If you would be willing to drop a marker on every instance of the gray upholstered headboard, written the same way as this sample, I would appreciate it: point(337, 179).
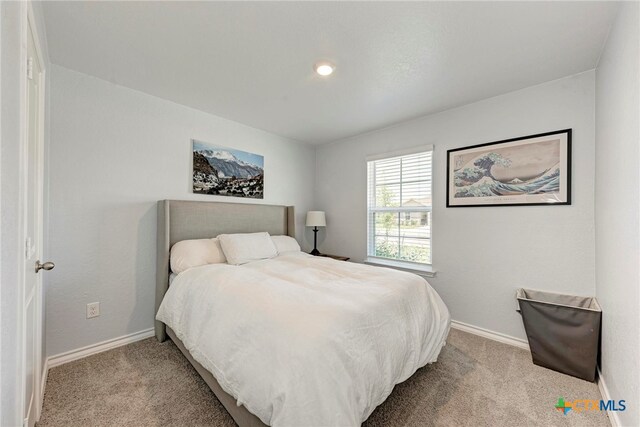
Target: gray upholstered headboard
point(180, 220)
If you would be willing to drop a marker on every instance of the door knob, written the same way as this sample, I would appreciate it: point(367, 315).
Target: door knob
point(46, 266)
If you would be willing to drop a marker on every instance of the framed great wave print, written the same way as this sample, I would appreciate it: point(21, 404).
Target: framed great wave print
point(525, 171)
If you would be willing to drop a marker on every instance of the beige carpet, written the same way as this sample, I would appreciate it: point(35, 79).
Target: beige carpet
point(476, 382)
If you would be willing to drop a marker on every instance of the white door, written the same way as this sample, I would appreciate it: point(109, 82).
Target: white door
point(33, 198)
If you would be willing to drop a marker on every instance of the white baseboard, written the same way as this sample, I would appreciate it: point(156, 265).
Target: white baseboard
point(70, 356)
point(486, 333)
point(43, 378)
point(43, 384)
point(614, 419)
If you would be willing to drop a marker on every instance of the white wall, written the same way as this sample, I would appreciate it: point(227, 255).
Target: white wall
point(617, 217)
point(115, 152)
point(482, 255)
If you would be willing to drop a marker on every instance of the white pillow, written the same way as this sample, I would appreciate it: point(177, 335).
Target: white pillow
point(194, 253)
point(285, 244)
point(246, 247)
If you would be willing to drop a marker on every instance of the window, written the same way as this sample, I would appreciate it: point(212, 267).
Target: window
point(399, 208)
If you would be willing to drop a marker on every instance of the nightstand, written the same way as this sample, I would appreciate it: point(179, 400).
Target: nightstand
point(338, 257)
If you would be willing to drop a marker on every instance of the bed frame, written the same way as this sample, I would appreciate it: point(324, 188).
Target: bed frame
point(180, 220)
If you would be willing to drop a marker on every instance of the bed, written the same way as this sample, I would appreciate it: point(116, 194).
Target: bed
point(297, 339)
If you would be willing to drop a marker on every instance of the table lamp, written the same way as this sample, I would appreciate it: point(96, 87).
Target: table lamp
point(315, 219)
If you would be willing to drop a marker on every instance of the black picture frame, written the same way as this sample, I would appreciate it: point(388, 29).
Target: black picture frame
point(562, 197)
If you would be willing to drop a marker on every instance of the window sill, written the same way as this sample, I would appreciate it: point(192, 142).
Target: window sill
point(421, 270)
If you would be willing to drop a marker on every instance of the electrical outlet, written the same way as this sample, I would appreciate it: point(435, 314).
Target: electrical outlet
point(93, 310)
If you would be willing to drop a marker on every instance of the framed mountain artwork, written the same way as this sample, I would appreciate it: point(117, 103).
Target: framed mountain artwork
point(226, 171)
point(525, 171)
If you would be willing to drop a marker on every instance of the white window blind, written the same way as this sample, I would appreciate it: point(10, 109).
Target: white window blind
point(399, 207)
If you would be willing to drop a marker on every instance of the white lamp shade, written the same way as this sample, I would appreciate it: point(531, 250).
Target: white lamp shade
point(316, 219)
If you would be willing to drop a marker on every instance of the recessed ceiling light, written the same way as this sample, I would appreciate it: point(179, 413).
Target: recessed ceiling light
point(324, 68)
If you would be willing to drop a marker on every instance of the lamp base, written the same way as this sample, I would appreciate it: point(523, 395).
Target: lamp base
point(315, 250)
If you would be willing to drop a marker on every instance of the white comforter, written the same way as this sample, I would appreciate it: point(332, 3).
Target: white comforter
point(307, 341)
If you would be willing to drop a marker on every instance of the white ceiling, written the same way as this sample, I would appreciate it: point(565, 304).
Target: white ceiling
point(252, 62)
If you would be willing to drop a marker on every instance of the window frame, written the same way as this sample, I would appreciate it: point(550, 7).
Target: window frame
point(419, 267)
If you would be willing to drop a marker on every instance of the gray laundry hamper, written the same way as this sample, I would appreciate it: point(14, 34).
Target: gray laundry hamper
point(563, 331)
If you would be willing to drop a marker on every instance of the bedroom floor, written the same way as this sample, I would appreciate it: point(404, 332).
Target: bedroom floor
point(476, 382)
